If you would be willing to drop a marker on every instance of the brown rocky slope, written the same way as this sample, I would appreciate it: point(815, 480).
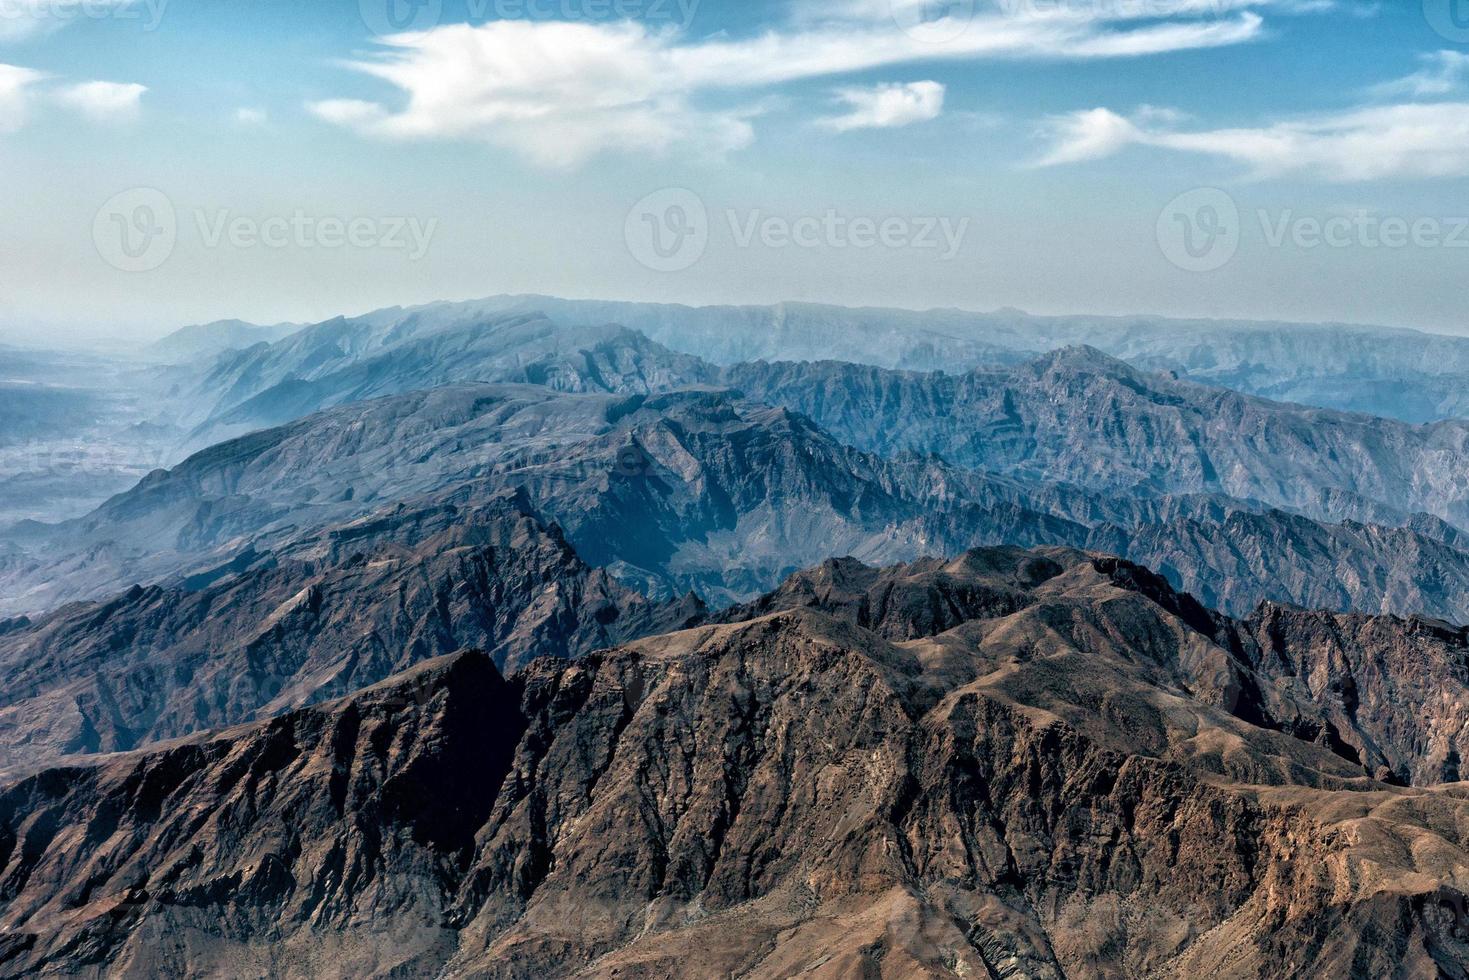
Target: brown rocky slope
point(1015, 764)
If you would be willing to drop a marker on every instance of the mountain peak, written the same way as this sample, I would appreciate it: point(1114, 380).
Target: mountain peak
point(1085, 357)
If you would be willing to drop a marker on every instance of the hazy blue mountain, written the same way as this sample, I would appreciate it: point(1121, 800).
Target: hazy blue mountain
point(1081, 417)
point(1076, 416)
point(694, 490)
point(74, 430)
point(345, 361)
point(686, 490)
point(207, 340)
point(1404, 374)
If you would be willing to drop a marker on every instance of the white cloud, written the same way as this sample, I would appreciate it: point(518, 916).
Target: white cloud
point(249, 116)
point(23, 89)
point(887, 106)
point(1413, 140)
point(1443, 73)
point(1088, 135)
point(560, 92)
point(104, 102)
point(15, 90)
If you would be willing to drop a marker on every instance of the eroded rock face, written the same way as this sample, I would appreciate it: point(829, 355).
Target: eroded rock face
point(1394, 692)
point(349, 608)
point(1016, 764)
point(1081, 417)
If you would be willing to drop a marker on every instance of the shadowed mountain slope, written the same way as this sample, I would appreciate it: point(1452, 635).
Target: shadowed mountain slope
point(1061, 787)
point(349, 608)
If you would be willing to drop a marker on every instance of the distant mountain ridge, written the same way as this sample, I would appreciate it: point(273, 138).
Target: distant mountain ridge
point(205, 340)
point(1032, 419)
point(346, 361)
point(697, 490)
point(1080, 416)
point(1384, 371)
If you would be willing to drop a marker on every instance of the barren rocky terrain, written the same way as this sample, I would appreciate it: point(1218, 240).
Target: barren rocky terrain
point(1014, 764)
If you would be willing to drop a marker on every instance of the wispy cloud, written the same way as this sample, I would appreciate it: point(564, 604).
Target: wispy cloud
point(111, 103)
point(887, 106)
point(22, 90)
point(1413, 140)
point(559, 92)
point(1443, 73)
point(15, 92)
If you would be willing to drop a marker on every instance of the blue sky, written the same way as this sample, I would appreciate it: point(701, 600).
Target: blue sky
point(283, 160)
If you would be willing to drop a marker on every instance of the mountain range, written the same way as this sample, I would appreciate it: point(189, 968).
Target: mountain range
point(539, 638)
point(1040, 763)
point(1390, 372)
point(1234, 498)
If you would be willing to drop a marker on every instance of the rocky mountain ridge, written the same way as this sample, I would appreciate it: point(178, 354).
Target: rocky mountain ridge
point(347, 609)
point(1081, 417)
point(1062, 786)
point(697, 490)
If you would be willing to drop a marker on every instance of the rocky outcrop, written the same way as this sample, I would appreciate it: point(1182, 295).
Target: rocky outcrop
point(1234, 563)
point(1049, 790)
point(1392, 693)
point(351, 607)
